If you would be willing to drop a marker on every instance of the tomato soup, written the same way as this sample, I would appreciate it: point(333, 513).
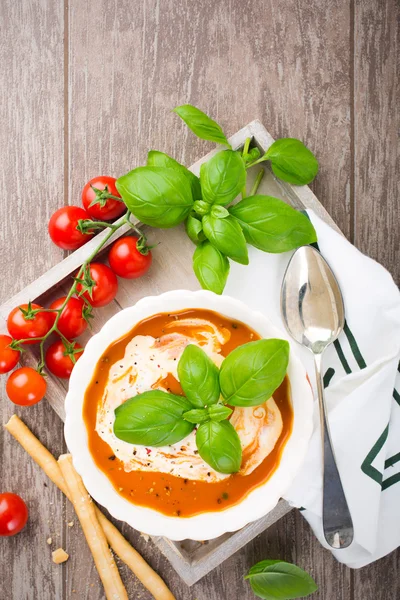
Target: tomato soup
point(172, 494)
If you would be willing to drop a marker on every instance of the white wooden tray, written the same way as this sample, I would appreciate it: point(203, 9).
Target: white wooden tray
point(171, 269)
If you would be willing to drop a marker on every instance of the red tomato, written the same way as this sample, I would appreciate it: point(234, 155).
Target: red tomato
point(101, 188)
point(59, 358)
point(71, 323)
point(63, 227)
point(13, 514)
point(8, 356)
point(126, 260)
point(105, 288)
point(25, 386)
point(21, 326)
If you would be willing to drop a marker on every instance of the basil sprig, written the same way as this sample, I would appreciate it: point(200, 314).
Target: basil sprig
point(248, 377)
point(279, 580)
point(165, 193)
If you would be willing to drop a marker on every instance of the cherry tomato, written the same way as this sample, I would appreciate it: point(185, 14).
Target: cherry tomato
point(59, 358)
point(126, 260)
point(22, 324)
point(8, 356)
point(25, 386)
point(100, 188)
point(105, 288)
point(63, 227)
point(71, 322)
point(13, 514)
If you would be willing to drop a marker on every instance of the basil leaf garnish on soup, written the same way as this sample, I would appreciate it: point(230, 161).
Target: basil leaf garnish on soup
point(153, 418)
point(219, 412)
point(199, 377)
point(196, 415)
point(251, 373)
point(219, 446)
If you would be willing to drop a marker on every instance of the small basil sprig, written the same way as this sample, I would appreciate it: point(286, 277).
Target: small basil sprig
point(279, 580)
point(157, 196)
point(222, 177)
point(153, 418)
point(291, 161)
point(272, 225)
point(251, 373)
point(248, 377)
point(201, 125)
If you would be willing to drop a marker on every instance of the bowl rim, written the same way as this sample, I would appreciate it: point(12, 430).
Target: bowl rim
point(206, 525)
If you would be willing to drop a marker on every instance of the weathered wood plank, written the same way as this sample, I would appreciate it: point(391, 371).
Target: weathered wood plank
point(31, 148)
point(376, 123)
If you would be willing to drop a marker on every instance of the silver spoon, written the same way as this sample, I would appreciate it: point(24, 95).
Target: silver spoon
point(313, 312)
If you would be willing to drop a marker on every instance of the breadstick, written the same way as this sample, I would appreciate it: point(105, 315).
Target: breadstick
point(118, 543)
point(94, 534)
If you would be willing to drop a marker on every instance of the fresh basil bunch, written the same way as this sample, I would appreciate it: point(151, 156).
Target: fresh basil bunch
point(279, 580)
point(164, 193)
point(249, 375)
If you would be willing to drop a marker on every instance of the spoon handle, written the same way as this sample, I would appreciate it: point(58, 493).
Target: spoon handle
point(336, 518)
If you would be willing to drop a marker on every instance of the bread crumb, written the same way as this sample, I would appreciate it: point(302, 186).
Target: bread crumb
point(59, 556)
point(71, 524)
point(49, 541)
point(145, 536)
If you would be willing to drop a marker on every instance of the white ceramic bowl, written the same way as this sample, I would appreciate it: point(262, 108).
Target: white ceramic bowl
point(211, 524)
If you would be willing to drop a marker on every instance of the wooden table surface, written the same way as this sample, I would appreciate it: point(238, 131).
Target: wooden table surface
point(87, 88)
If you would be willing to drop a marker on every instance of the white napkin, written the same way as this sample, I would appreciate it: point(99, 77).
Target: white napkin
point(362, 383)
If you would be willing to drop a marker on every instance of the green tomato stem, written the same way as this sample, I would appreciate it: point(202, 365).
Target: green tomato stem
point(257, 182)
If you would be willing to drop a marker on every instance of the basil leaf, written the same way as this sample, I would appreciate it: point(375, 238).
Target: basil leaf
point(211, 267)
point(198, 376)
point(279, 580)
point(219, 412)
point(219, 211)
point(194, 229)
point(152, 419)
point(251, 373)
point(160, 159)
point(197, 415)
point(222, 177)
point(226, 235)
point(219, 446)
point(272, 225)
point(157, 196)
point(201, 125)
point(201, 207)
point(292, 161)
